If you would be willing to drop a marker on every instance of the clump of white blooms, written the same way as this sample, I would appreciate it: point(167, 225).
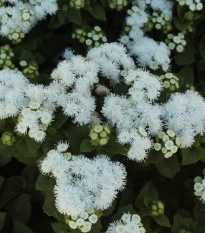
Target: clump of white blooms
point(144, 85)
point(81, 182)
point(148, 52)
point(85, 221)
point(127, 224)
point(38, 110)
point(199, 187)
point(176, 42)
point(185, 115)
point(111, 58)
point(167, 143)
point(77, 76)
point(194, 5)
point(170, 81)
point(12, 92)
point(18, 17)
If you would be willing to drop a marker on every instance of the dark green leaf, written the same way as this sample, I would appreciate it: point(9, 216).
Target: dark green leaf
point(45, 183)
point(193, 155)
point(162, 220)
point(98, 11)
point(2, 219)
point(21, 228)
point(169, 167)
point(86, 146)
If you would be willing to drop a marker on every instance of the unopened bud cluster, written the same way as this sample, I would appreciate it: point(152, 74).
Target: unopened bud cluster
point(99, 135)
point(83, 222)
point(159, 21)
point(27, 16)
point(77, 4)
point(8, 138)
point(30, 69)
point(117, 4)
point(15, 35)
point(6, 55)
point(157, 208)
point(167, 143)
point(176, 42)
point(193, 5)
point(199, 188)
point(92, 39)
point(170, 81)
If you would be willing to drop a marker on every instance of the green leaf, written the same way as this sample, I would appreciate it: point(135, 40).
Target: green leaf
point(45, 183)
point(186, 76)
point(186, 223)
point(74, 16)
point(169, 167)
point(21, 228)
point(202, 47)
point(19, 208)
point(76, 135)
point(98, 12)
point(49, 206)
point(86, 146)
point(26, 151)
point(150, 191)
point(187, 57)
point(192, 155)
point(60, 120)
point(113, 147)
point(6, 153)
point(59, 228)
point(12, 187)
point(1, 181)
point(2, 219)
point(162, 220)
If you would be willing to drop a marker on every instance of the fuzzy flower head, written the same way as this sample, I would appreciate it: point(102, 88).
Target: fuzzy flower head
point(83, 182)
point(185, 115)
point(110, 58)
point(12, 89)
point(128, 223)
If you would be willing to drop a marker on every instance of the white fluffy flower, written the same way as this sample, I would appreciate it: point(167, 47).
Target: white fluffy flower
point(12, 92)
point(83, 182)
point(111, 58)
point(127, 224)
point(185, 115)
point(22, 16)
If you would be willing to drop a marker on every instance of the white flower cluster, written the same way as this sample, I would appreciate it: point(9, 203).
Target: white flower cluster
point(199, 188)
point(111, 58)
point(194, 5)
point(12, 92)
point(78, 74)
point(127, 224)
point(144, 85)
point(38, 110)
point(185, 115)
point(132, 115)
point(81, 182)
point(18, 16)
point(149, 52)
